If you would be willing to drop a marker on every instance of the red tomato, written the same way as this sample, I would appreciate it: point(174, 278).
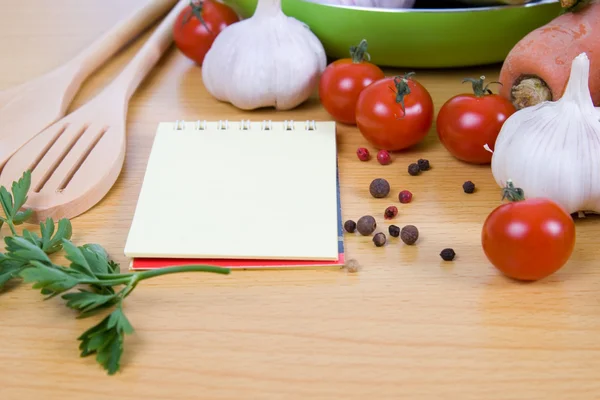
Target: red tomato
point(343, 80)
point(394, 113)
point(198, 25)
point(528, 239)
point(467, 122)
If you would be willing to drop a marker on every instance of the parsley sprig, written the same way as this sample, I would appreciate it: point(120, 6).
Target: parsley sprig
point(90, 284)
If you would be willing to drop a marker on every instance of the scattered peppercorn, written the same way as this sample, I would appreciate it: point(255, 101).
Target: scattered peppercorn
point(363, 154)
point(352, 265)
point(379, 239)
point(390, 212)
point(379, 188)
point(394, 231)
point(350, 226)
point(383, 157)
point(447, 254)
point(409, 234)
point(405, 197)
point(366, 225)
point(469, 187)
point(423, 165)
point(413, 169)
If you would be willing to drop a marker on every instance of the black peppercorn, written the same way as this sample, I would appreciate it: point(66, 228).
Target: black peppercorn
point(350, 226)
point(469, 187)
point(447, 254)
point(413, 169)
point(423, 165)
point(379, 188)
point(409, 234)
point(394, 231)
point(366, 225)
point(379, 239)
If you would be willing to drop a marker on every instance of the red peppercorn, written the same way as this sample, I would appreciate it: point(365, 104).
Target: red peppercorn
point(405, 197)
point(390, 212)
point(384, 157)
point(363, 154)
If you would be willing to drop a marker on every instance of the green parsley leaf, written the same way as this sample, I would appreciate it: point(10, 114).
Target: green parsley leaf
point(52, 244)
point(52, 281)
point(19, 248)
point(97, 259)
point(78, 261)
point(33, 238)
point(85, 301)
point(106, 340)
point(6, 201)
point(19, 191)
point(22, 216)
point(11, 204)
point(9, 269)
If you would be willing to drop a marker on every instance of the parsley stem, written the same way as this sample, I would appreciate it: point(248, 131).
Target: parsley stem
point(12, 227)
point(106, 282)
point(184, 268)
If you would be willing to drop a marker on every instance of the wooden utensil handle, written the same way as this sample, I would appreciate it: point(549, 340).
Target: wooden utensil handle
point(160, 40)
point(108, 44)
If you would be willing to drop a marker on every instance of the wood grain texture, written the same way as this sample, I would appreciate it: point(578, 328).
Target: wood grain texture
point(407, 326)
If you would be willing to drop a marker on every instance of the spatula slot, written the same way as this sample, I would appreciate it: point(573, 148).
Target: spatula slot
point(60, 158)
point(65, 182)
point(47, 148)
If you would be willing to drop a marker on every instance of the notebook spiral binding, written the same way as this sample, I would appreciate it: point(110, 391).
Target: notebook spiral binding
point(266, 125)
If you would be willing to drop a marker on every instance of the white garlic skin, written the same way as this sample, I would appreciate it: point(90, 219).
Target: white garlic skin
point(552, 150)
point(370, 3)
point(267, 60)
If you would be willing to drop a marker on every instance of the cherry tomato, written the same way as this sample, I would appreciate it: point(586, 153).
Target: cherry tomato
point(198, 25)
point(343, 80)
point(394, 113)
point(528, 239)
point(467, 122)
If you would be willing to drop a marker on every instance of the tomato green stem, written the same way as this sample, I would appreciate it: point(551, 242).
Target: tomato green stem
point(512, 193)
point(359, 53)
point(196, 8)
point(478, 88)
point(402, 90)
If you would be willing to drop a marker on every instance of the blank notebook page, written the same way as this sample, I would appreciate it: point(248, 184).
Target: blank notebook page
point(227, 192)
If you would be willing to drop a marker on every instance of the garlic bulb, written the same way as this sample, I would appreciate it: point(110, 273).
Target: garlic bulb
point(267, 60)
point(552, 149)
point(370, 3)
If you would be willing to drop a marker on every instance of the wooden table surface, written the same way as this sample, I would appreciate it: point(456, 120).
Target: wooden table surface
point(406, 326)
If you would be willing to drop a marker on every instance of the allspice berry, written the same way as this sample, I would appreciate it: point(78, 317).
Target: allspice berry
point(423, 164)
point(379, 239)
point(447, 254)
point(468, 187)
point(394, 231)
point(366, 225)
point(379, 188)
point(350, 226)
point(413, 169)
point(409, 234)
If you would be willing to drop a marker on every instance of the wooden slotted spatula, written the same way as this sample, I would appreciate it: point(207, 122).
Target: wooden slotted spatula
point(28, 108)
point(76, 161)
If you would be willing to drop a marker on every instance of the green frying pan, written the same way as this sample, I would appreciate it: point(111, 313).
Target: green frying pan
point(418, 38)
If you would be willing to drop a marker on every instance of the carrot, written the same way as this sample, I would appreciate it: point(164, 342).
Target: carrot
point(537, 68)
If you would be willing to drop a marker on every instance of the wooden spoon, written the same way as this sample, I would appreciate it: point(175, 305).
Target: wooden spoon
point(76, 161)
point(28, 108)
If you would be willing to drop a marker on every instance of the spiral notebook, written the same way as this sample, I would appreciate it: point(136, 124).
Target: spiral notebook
point(248, 194)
